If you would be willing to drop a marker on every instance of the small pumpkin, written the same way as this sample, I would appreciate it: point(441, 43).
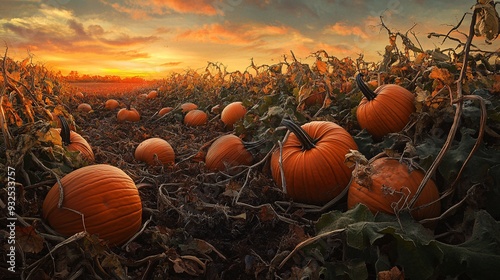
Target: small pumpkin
point(74, 141)
point(111, 104)
point(232, 113)
point(195, 118)
point(152, 94)
point(385, 110)
point(229, 151)
point(163, 111)
point(155, 151)
point(79, 95)
point(188, 106)
point(313, 161)
point(128, 114)
point(387, 182)
point(84, 107)
point(100, 199)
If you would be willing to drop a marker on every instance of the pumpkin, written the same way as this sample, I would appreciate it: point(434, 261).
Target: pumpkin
point(79, 95)
point(188, 106)
point(100, 199)
point(128, 114)
point(232, 113)
point(385, 110)
point(152, 94)
point(195, 118)
point(155, 151)
point(229, 151)
point(142, 96)
point(74, 141)
point(111, 104)
point(387, 182)
point(313, 161)
point(163, 111)
point(84, 107)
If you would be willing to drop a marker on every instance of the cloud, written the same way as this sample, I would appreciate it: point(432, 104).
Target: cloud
point(342, 29)
point(146, 9)
point(171, 64)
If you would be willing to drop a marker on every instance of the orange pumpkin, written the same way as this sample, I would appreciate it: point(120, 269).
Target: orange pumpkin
point(111, 104)
point(84, 107)
point(152, 94)
point(74, 141)
point(385, 110)
point(155, 151)
point(128, 114)
point(232, 113)
point(313, 161)
point(188, 106)
point(164, 111)
point(79, 95)
point(226, 152)
point(100, 199)
point(195, 118)
point(387, 183)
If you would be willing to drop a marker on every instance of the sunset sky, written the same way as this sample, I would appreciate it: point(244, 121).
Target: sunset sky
point(151, 38)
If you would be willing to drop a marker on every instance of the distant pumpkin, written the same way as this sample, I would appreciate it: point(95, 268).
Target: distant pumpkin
point(128, 114)
point(84, 107)
point(155, 151)
point(111, 104)
point(188, 106)
point(164, 111)
point(232, 113)
point(195, 118)
point(152, 94)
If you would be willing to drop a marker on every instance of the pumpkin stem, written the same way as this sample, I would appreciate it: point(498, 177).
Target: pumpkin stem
point(65, 131)
point(304, 138)
point(367, 92)
point(255, 144)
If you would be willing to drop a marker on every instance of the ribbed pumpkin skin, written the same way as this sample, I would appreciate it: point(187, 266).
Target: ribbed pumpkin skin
point(164, 111)
point(152, 148)
point(79, 144)
point(391, 174)
point(188, 106)
point(195, 118)
point(226, 152)
point(232, 113)
point(125, 114)
point(111, 104)
point(107, 198)
point(318, 175)
point(388, 112)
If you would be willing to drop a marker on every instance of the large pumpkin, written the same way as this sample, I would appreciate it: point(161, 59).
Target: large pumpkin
point(155, 151)
point(226, 152)
point(386, 183)
point(195, 118)
point(128, 114)
point(232, 113)
point(313, 161)
point(74, 141)
point(100, 199)
point(385, 110)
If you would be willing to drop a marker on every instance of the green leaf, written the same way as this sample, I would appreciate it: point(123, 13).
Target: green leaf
point(479, 256)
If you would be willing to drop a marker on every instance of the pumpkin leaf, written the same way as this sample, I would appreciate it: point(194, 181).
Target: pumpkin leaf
point(29, 240)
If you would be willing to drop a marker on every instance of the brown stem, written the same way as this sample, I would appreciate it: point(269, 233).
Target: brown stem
point(65, 131)
point(304, 138)
point(255, 144)
point(367, 92)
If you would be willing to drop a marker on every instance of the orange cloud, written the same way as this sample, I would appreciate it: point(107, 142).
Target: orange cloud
point(342, 29)
point(148, 8)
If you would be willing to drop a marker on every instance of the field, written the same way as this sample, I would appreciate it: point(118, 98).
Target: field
point(241, 221)
point(108, 88)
